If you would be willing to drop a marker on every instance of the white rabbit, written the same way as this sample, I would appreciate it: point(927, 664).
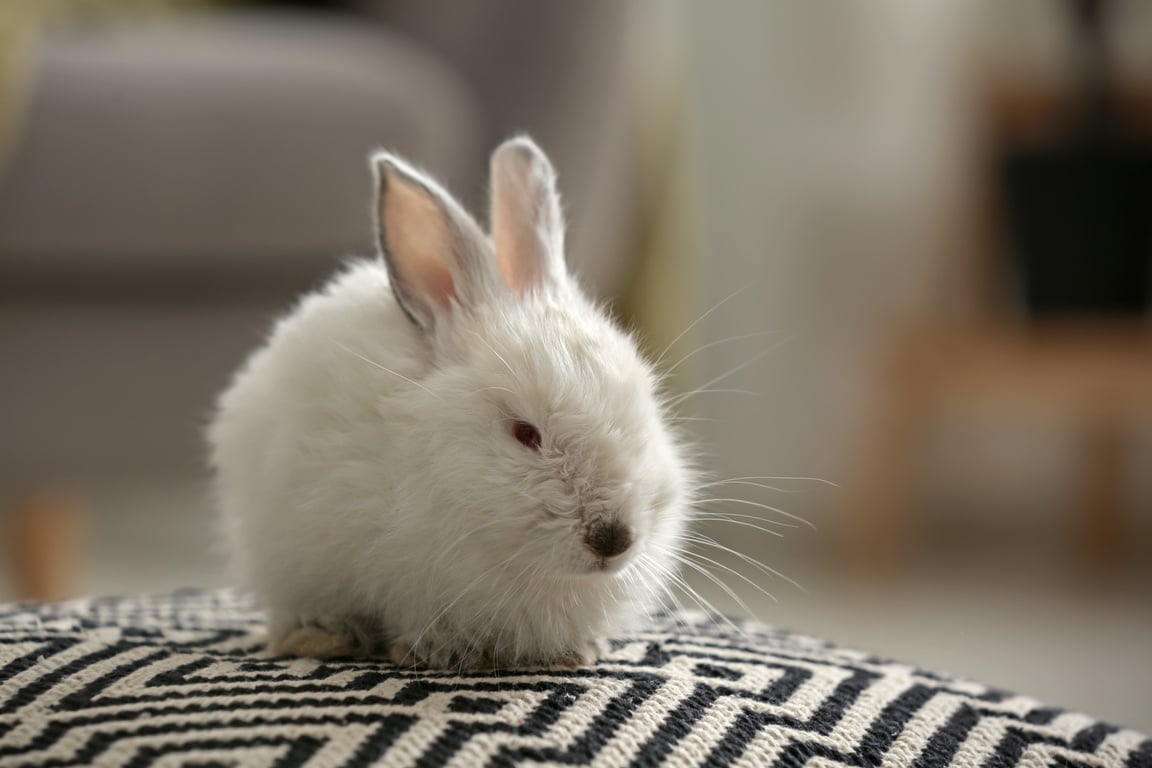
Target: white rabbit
point(450, 454)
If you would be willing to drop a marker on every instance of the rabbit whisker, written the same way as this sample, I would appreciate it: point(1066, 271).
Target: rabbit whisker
point(494, 386)
point(487, 608)
point(682, 557)
point(493, 350)
point(766, 570)
point(718, 517)
point(733, 571)
point(681, 398)
point(459, 597)
point(665, 594)
point(717, 379)
point(777, 510)
point(388, 370)
point(706, 606)
point(698, 320)
point(776, 477)
point(740, 481)
point(668, 371)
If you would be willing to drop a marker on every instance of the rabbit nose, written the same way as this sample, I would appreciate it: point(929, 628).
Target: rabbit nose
point(608, 539)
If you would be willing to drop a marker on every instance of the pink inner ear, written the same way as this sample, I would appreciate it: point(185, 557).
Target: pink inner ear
point(515, 218)
point(436, 282)
point(519, 273)
point(419, 243)
point(527, 225)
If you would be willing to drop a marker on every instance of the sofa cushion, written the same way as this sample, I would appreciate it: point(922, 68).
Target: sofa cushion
point(185, 679)
point(230, 144)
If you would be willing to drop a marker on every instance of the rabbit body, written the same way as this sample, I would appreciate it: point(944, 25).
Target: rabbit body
point(459, 462)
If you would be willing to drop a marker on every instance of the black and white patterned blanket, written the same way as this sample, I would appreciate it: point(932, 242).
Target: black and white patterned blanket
point(184, 680)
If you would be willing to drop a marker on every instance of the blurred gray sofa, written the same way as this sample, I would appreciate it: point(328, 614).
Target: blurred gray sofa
point(178, 182)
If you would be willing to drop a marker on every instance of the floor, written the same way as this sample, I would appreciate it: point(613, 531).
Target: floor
point(1013, 616)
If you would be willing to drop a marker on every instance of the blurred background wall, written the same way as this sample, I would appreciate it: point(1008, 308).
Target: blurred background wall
point(839, 205)
point(849, 174)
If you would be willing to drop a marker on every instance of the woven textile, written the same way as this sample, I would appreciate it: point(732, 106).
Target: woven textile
point(184, 680)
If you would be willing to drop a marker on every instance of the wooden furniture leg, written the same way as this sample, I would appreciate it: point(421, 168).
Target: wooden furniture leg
point(1100, 523)
point(878, 500)
point(45, 546)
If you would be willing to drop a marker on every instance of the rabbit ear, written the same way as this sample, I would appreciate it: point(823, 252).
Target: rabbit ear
point(437, 256)
point(527, 225)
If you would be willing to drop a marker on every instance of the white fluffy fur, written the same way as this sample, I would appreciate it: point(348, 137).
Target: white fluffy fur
point(369, 483)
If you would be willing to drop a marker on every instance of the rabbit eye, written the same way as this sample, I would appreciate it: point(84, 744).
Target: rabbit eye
point(526, 434)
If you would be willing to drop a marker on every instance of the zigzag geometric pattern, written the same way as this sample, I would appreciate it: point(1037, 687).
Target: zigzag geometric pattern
point(184, 680)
